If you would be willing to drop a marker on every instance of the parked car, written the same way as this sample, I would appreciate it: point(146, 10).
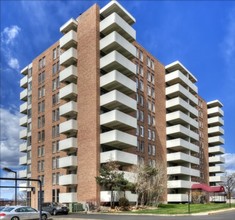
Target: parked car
point(22, 213)
point(55, 208)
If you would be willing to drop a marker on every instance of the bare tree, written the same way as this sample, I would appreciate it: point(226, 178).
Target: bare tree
point(229, 185)
point(150, 184)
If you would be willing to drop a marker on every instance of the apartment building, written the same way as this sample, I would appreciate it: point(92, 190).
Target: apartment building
point(97, 95)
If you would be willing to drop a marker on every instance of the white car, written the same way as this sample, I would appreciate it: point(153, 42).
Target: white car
point(22, 213)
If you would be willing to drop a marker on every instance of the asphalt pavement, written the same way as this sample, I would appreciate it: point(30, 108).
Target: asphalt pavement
point(215, 215)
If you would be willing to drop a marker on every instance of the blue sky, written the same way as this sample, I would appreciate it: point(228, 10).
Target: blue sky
point(200, 34)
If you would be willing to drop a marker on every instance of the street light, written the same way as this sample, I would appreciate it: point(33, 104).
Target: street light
point(12, 171)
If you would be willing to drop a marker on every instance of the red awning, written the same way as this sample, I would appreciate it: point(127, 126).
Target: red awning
point(208, 188)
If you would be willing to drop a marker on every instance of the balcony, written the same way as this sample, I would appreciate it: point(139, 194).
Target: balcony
point(178, 77)
point(71, 24)
point(70, 179)
point(216, 159)
point(23, 134)
point(118, 120)
point(216, 150)
point(131, 177)
point(215, 131)
point(23, 160)
point(181, 144)
point(68, 40)
point(69, 127)
point(180, 104)
point(69, 109)
point(23, 174)
point(181, 170)
point(178, 90)
point(23, 108)
point(174, 184)
point(69, 144)
point(215, 111)
point(115, 23)
point(114, 6)
point(117, 81)
point(24, 121)
point(69, 92)
point(69, 57)
point(24, 82)
point(115, 41)
point(216, 121)
point(69, 197)
point(182, 158)
point(216, 169)
point(179, 117)
point(105, 196)
point(214, 103)
point(24, 95)
point(118, 139)
point(23, 147)
point(215, 140)
point(69, 74)
point(116, 61)
point(117, 100)
point(177, 198)
point(118, 156)
point(68, 162)
point(216, 179)
point(179, 131)
point(25, 70)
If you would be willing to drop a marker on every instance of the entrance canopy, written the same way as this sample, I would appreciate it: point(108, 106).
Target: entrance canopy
point(207, 188)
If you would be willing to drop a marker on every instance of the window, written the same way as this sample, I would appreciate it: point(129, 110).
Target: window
point(29, 155)
point(55, 84)
point(141, 100)
point(54, 53)
point(41, 136)
point(55, 131)
point(137, 114)
point(149, 119)
point(137, 83)
point(153, 150)
point(41, 121)
point(149, 105)
point(57, 178)
point(149, 90)
point(140, 160)
point(42, 150)
point(41, 92)
point(149, 134)
point(152, 64)
point(55, 99)
point(141, 116)
point(29, 99)
point(41, 77)
point(141, 71)
point(29, 126)
point(148, 62)
point(153, 107)
point(29, 86)
point(153, 135)
point(149, 149)
point(42, 63)
point(55, 146)
point(55, 68)
point(149, 76)
point(141, 131)
point(153, 121)
point(152, 79)
point(56, 115)
point(137, 130)
point(29, 113)
point(141, 57)
point(54, 163)
point(30, 72)
point(141, 84)
point(142, 146)
point(53, 178)
point(41, 106)
point(137, 68)
point(153, 93)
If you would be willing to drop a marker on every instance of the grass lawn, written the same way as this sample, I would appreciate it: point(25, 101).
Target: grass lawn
point(183, 208)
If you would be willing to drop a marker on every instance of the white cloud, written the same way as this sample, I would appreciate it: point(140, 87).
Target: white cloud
point(8, 39)
point(14, 63)
point(230, 162)
point(9, 34)
point(9, 142)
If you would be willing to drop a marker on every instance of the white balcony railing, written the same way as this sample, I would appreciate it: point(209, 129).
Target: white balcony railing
point(69, 74)
point(68, 144)
point(115, 23)
point(118, 139)
point(69, 161)
point(116, 80)
point(70, 179)
point(118, 156)
point(179, 144)
point(68, 40)
point(69, 197)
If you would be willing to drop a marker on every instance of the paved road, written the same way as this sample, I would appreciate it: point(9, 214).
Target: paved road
point(227, 215)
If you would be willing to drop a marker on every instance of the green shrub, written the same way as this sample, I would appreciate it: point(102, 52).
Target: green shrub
point(124, 204)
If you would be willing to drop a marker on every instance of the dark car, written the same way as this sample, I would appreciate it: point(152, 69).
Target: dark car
point(55, 208)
